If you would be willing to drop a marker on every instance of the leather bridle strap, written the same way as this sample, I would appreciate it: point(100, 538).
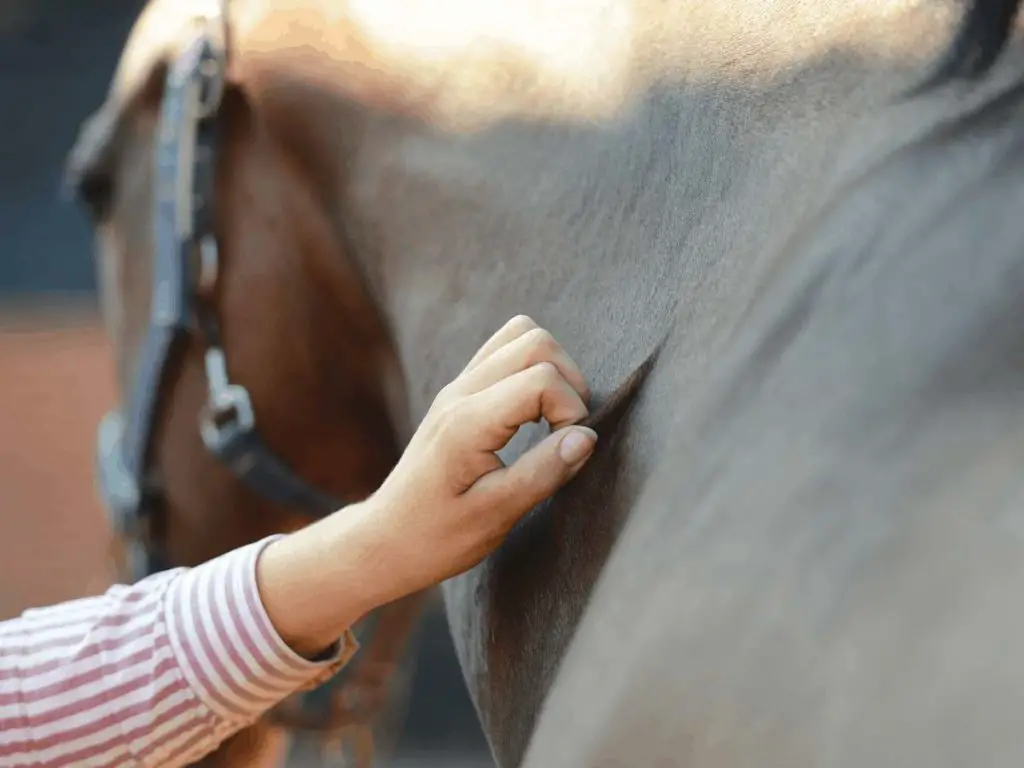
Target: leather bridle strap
point(186, 270)
point(185, 273)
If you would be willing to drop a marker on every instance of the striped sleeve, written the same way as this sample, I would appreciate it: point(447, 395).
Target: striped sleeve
point(157, 673)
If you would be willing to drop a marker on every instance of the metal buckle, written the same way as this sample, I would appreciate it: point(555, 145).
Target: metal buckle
point(225, 418)
point(212, 68)
point(228, 414)
point(209, 265)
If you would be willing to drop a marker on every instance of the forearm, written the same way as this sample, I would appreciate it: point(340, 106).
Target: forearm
point(321, 580)
point(158, 673)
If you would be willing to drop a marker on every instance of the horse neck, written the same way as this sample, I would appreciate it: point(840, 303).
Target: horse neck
point(585, 227)
point(615, 233)
point(583, 188)
point(643, 225)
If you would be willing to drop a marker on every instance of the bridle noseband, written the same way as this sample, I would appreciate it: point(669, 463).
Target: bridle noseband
point(185, 274)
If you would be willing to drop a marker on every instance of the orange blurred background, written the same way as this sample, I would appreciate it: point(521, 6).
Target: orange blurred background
point(56, 382)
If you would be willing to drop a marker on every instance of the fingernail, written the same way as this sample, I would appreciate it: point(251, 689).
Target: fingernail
point(577, 445)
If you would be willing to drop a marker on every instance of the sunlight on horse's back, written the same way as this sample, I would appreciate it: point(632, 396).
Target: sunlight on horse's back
point(466, 66)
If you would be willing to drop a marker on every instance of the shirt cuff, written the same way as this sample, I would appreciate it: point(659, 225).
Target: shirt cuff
point(229, 651)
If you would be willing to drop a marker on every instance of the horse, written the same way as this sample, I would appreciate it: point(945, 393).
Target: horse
point(779, 238)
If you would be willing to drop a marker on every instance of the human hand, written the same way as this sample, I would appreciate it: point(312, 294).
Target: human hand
point(450, 501)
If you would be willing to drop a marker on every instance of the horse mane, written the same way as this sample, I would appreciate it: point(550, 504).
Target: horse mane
point(982, 36)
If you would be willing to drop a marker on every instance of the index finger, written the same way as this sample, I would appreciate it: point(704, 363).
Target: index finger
point(533, 347)
point(510, 331)
point(530, 395)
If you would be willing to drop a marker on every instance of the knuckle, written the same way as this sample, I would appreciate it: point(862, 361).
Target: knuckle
point(447, 394)
point(521, 323)
point(444, 394)
point(445, 420)
point(541, 343)
point(545, 375)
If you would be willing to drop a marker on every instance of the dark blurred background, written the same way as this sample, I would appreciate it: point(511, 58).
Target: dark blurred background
point(56, 58)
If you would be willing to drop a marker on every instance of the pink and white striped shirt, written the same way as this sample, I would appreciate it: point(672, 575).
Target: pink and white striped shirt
point(153, 674)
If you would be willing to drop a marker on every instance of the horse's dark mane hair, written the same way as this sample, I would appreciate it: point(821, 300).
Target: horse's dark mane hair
point(983, 35)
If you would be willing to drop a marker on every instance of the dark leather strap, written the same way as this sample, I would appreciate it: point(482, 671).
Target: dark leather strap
point(248, 457)
point(185, 268)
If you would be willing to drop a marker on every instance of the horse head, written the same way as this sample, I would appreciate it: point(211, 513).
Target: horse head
point(258, 389)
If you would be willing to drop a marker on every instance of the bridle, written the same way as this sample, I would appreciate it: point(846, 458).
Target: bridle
point(185, 274)
point(186, 269)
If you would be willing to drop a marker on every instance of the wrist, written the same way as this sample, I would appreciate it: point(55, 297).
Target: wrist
point(319, 581)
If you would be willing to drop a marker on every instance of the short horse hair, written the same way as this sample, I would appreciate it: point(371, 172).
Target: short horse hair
point(983, 34)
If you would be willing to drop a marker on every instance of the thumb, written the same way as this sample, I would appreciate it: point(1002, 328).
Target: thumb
point(538, 473)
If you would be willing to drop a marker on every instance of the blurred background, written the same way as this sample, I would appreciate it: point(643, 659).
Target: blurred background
point(56, 58)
